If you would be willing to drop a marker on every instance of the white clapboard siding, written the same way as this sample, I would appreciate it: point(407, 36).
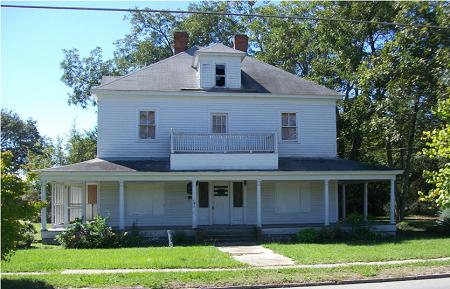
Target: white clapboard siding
point(207, 66)
point(118, 123)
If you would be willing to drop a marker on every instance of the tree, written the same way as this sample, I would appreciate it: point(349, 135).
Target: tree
point(15, 209)
point(438, 148)
point(19, 137)
point(81, 146)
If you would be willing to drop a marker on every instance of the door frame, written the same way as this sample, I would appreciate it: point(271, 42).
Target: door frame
point(212, 203)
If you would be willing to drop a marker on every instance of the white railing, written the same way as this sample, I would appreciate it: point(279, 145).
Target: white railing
point(182, 142)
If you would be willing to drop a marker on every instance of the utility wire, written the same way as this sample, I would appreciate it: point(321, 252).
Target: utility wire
point(225, 14)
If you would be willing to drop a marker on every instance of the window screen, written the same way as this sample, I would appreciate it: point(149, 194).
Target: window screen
point(289, 126)
point(147, 125)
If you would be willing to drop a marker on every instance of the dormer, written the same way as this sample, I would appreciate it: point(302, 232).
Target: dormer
point(219, 66)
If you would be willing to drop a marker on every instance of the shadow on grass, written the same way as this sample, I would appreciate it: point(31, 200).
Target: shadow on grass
point(25, 284)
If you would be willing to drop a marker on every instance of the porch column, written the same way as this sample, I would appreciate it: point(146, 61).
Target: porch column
point(194, 204)
point(326, 198)
point(366, 200)
point(83, 201)
point(344, 198)
point(392, 202)
point(121, 205)
point(44, 209)
point(258, 204)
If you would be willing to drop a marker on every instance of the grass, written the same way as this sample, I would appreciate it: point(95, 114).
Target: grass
point(418, 237)
point(224, 278)
point(55, 258)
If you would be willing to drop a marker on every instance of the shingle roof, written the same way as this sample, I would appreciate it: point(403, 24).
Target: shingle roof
point(176, 74)
point(220, 48)
point(163, 165)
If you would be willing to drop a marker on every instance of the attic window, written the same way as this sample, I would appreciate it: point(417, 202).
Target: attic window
point(220, 75)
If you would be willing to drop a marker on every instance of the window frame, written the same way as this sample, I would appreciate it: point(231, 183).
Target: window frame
point(211, 125)
point(224, 75)
point(149, 109)
point(288, 126)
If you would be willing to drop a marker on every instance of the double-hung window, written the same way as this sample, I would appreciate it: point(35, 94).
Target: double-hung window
point(289, 126)
point(147, 124)
point(219, 123)
point(220, 75)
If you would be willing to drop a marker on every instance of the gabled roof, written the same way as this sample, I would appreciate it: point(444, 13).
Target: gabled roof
point(220, 48)
point(176, 74)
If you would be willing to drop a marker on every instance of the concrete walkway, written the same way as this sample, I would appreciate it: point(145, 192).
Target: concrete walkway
point(257, 256)
point(318, 266)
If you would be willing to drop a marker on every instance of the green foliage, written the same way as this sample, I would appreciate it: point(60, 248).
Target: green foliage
point(28, 234)
point(97, 234)
point(308, 235)
point(438, 148)
point(15, 209)
point(19, 137)
point(355, 220)
point(81, 146)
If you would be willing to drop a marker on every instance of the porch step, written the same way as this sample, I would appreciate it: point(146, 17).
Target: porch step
point(229, 235)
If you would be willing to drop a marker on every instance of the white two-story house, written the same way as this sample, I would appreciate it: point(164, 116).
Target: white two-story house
point(211, 137)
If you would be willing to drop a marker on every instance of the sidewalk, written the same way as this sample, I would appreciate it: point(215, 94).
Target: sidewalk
point(318, 266)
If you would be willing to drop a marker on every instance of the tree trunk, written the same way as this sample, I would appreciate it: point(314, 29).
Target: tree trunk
point(407, 159)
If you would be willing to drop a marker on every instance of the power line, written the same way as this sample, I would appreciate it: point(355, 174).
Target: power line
point(225, 14)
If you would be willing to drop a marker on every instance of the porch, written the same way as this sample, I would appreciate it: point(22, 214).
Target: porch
point(271, 202)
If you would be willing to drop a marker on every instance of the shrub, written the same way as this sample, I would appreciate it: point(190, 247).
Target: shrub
point(28, 232)
point(329, 234)
point(97, 234)
point(355, 220)
point(363, 234)
point(308, 235)
point(444, 218)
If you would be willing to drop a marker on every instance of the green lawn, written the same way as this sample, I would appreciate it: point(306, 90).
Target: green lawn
point(353, 252)
point(54, 258)
point(225, 278)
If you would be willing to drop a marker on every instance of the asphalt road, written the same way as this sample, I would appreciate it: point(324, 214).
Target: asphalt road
point(438, 283)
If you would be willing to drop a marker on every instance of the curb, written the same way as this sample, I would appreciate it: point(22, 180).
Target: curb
point(343, 282)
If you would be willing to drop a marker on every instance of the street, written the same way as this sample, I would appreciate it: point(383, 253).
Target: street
point(438, 283)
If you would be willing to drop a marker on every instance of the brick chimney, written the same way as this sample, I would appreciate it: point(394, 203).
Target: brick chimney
point(180, 41)
point(241, 42)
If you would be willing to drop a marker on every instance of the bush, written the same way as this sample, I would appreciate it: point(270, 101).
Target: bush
point(329, 234)
point(444, 218)
point(308, 235)
point(28, 232)
point(363, 234)
point(97, 234)
point(355, 220)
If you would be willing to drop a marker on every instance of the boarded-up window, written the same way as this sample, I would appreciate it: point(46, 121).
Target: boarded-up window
point(292, 197)
point(144, 199)
point(289, 126)
point(92, 194)
point(147, 125)
point(203, 195)
point(238, 195)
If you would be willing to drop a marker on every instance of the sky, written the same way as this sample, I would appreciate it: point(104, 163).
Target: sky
point(31, 52)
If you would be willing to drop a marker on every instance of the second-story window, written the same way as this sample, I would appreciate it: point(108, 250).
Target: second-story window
point(147, 125)
point(219, 123)
point(289, 126)
point(220, 75)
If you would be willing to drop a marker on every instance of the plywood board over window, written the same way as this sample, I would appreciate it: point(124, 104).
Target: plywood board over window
point(292, 197)
point(145, 199)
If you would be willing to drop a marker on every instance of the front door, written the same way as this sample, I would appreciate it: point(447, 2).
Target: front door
point(221, 204)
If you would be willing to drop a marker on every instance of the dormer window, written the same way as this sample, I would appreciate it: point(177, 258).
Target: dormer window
point(220, 75)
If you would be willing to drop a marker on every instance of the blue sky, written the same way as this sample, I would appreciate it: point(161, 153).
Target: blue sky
point(31, 50)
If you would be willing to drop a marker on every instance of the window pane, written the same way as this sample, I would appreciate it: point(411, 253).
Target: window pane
point(289, 133)
point(203, 195)
point(220, 80)
point(219, 123)
point(292, 119)
point(238, 195)
point(143, 117)
point(151, 117)
point(143, 132)
point(220, 69)
point(151, 132)
point(284, 119)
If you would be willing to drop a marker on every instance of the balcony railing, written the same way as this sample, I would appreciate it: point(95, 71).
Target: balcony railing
point(182, 142)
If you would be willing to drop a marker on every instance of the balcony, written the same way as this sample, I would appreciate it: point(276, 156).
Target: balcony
point(229, 151)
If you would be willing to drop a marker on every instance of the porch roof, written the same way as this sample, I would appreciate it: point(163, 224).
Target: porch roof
point(163, 165)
